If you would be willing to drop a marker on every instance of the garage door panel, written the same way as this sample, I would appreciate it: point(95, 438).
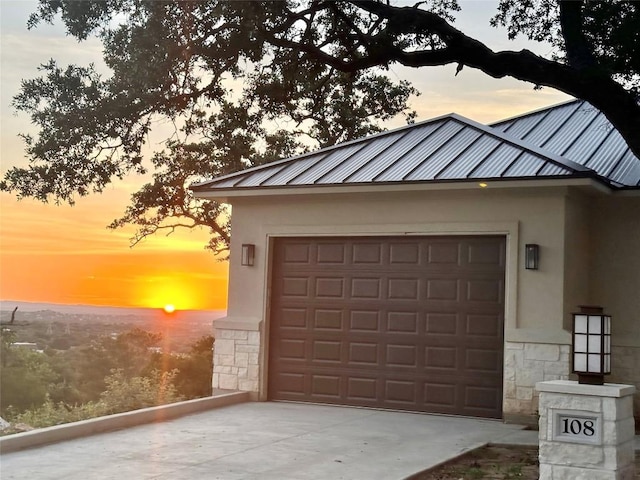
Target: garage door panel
point(484, 325)
point(443, 289)
point(404, 253)
point(485, 253)
point(366, 288)
point(296, 253)
point(402, 322)
point(441, 253)
point(327, 351)
point(403, 289)
point(484, 290)
point(295, 287)
point(290, 348)
point(483, 360)
point(400, 393)
point(364, 353)
point(329, 287)
point(441, 324)
point(442, 358)
point(363, 389)
point(411, 324)
point(398, 355)
point(367, 254)
point(364, 321)
point(293, 318)
point(328, 319)
point(326, 386)
point(331, 253)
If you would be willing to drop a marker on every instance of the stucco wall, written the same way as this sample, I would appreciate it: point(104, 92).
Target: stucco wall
point(535, 306)
point(586, 239)
point(615, 281)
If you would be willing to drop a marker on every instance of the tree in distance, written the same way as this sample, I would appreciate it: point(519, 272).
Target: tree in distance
point(244, 83)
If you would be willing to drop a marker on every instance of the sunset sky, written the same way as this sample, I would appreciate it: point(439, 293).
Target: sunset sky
point(63, 254)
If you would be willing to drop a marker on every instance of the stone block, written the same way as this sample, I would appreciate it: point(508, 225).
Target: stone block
point(509, 390)
point(618, 432)
point(571, 473)
point(569, 402)
point(228, 360)
point(224, 347)
point(242, 373)
point(617, 408)
point(215, 380)
point(619, 456)
point(242, 359)
point(544, 428)
point(253, 372)
point(228, 382)
point(510, 405)
point(558, 453)
point(540, 351)
point(254, 359)
point(524, 393)
point(246, 348)
point(513, 359)
point(509, 375)
point(253, 338)
point(528, 377)
point(248, 385)
point(222, 369)
point(556, 368)
point(231, 334)
point(545, 472)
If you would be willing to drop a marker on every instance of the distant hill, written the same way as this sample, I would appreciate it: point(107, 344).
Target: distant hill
point(7, 306)
point(64, 326)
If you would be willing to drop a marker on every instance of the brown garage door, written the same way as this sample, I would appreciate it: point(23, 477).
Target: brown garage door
point(411, 323)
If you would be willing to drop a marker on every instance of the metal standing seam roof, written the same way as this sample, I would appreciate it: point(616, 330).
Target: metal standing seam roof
point(568, 140)
point(579, 132)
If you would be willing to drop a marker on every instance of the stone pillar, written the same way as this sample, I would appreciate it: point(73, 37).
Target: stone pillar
point(586, 431)
point(236, 356)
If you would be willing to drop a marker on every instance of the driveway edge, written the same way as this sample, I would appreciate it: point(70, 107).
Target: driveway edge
point(69, 431)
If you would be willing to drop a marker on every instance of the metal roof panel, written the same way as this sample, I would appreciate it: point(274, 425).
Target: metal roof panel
point(414, 157)
point(497, 163)
point(477, 153)
point(448, 153)
point(372, 152)
point(394, 153)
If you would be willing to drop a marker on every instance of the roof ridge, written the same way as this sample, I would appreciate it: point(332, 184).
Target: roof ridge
point(536, 111)
point(538, 151)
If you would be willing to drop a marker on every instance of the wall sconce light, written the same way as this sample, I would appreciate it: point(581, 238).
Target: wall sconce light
point(531, 256)
point(591, 342)
point(248, 254)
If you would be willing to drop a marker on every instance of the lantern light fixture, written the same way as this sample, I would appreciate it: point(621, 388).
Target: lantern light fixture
point(591, 342)
point(248, 254)
point(531, 256)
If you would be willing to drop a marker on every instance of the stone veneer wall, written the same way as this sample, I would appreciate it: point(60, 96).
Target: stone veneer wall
point(236, 360)
point(625, 369)
point(526, 364)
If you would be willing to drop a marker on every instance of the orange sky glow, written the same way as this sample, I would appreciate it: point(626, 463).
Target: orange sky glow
point(63, 254)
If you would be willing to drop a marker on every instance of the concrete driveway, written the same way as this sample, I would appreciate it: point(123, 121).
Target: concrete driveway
point(267, 441)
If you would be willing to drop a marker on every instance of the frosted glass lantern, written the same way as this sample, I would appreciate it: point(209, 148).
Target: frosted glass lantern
point(591, 344)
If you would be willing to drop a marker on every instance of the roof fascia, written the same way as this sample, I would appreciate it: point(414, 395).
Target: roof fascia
point(225, 195)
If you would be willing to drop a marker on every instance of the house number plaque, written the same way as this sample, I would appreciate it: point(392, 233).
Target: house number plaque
point(577, 427)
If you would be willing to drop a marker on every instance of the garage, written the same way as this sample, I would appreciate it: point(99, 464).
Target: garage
point(404, 323)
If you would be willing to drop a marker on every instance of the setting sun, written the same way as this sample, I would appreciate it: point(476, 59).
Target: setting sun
point(169, 308)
